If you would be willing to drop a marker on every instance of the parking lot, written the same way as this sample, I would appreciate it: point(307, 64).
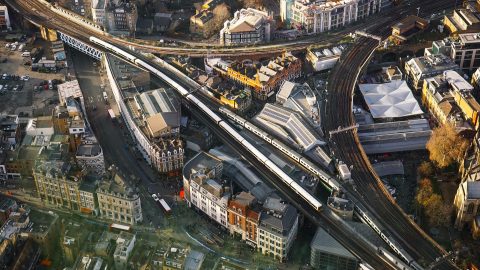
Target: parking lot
point(17, 82)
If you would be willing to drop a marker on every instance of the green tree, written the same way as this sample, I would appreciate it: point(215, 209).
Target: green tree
point(446, 146)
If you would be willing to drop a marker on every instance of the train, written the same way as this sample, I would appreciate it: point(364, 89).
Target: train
point(217, 119)
point(314, 169)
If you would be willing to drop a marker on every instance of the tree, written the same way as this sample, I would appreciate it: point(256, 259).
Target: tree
point(446, 146)
point(256, 4)
point(435, 210)
point(424, 192)
point(425, 169)
point(221, 13)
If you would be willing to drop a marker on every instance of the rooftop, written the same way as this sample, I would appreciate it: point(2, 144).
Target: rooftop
point(390, 100)
point(278, 216)
point(89, 150)
point(324, 242)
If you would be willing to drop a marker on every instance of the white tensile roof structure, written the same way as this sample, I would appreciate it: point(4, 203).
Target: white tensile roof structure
point(390, 100)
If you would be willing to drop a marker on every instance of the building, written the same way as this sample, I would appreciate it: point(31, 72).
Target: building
point(301, 99)
point(98, 12)
point(58, 183)
point(419, 68)
point(125, 244)
point(390, 100)
point(166, 155)
point(88, 196)
point(466, 51)
point(407, 28)
point(204, 188)
point(121, 17)
point(58, 51)
point(289, 126)
point(324, 58)
point(9, 131)
point(117, 201)
point(176, 258)
point(244, 217)
point(159, 111)
point(88, 262)
point(202, 23)
point(286, 11)
point(90, 157)
point(277, 228)
point(341, 205)
point(467, 203)
point(40, 126)
point(67, 90)
point(248, 26)
point(449, 98)
point(461, 20)
point(320, 16)
point(327, 253)
point(4, 18)
point(264, 79)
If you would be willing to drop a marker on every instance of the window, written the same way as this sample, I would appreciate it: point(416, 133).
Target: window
point(470, 208)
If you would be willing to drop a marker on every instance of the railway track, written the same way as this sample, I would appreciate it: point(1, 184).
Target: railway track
point(346, 146)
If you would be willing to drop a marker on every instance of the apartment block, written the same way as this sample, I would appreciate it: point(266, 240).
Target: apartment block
point(121, 17)
point(449, 98)
point(244, 217)
point(90, 157)
point(461, 20)
point(58, 183)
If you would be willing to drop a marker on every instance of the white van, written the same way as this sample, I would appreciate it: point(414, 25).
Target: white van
point(20, 48)
point(26, 54)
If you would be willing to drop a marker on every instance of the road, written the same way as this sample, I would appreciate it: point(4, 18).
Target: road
point(114, 138)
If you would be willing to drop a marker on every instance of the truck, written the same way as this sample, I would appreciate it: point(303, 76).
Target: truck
point(112, 114)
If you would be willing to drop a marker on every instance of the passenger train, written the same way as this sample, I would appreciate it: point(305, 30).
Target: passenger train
point(225, 126)
point(314, 169)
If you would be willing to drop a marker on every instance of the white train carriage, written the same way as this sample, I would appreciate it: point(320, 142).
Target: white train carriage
point(262, 134)
point(287, 150)
point(306, 195)
point(281, 174)
point(233, 116)
point(113, 48)
point(255, 151)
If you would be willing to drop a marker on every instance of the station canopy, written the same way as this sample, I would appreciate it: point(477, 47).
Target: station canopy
point(390, 100)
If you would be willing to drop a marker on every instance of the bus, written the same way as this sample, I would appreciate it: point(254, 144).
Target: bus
point(114, 227)
point(165, 206)
point(112, 114)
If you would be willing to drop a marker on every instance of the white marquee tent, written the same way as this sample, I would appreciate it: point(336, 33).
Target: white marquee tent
point(390, 100)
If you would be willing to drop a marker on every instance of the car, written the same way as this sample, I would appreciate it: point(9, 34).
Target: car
point(20, 87)
point(155, 198)
point(15, 88)
point(25, 78)
point(10, 87)
point(4, 76)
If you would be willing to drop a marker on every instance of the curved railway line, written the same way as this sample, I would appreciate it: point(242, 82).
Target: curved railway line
point(347, 147)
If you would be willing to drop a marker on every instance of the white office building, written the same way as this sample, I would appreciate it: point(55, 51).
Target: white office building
point(203, 186)
point(316, 16)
